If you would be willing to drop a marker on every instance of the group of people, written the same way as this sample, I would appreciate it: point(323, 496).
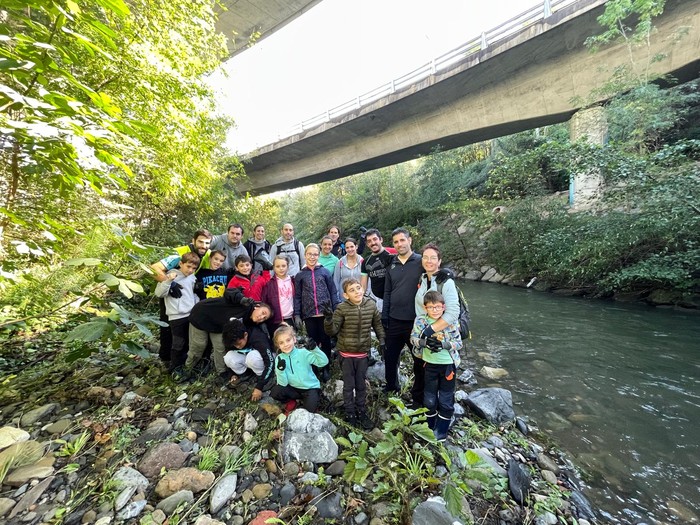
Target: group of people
point(232, 295)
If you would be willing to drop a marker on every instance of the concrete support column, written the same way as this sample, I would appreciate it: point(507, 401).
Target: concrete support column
point(590, 124)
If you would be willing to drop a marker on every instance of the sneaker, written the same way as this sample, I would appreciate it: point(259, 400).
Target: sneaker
point(289, 406)
point(365, 422)
point(351, 419)
point(224, 377)
point(238, 380)
point(180, 374)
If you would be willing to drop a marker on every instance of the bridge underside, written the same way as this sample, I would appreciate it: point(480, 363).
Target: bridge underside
point(525, 82)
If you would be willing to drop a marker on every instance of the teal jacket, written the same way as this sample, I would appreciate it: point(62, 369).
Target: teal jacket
point(294, 369)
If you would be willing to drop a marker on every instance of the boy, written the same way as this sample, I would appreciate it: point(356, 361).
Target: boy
point(440, 352)
point(212, 281)
point(294, 370)
point(179, 306)
point(352, 322)
point(249, 354)
point(250, 284)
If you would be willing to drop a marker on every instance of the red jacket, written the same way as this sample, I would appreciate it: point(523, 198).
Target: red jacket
point(251, 285)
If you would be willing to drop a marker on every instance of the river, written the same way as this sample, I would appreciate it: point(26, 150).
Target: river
point(617, 386)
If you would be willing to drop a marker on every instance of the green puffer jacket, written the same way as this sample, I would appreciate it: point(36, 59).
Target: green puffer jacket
point(353, 325)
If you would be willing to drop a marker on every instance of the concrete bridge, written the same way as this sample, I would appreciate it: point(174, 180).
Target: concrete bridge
point(524, 74)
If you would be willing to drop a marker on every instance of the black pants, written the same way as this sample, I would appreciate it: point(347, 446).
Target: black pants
point(354, 385)
point(310, 397)
point(166, 337)
point(315, 330)
point(440, 382)
point(398, 335)
point(180, 329)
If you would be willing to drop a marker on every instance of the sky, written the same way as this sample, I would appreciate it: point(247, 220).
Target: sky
point(338, 50)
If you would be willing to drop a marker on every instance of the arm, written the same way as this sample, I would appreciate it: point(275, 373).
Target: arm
point(163, 287)
point(336, 277)
point(333, 326)
point(451, 314)
point(387, 299)
point(317, 357)
point(332, 289)
point(418, 325)
point(377, 325)
point(268, 358)
point(297, 293)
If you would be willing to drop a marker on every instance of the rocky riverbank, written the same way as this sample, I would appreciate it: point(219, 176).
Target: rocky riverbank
point(111, 439)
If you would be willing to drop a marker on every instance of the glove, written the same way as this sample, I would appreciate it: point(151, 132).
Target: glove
point(422, 343)
point(247, 301)
point(382, 350)
point(298, 324)
point(198, 287)
point(443, 274)
point(263, 260)
point(175, 290)
point(427, 332)
point(327, 312)
point(434, 344)
point(306, 342)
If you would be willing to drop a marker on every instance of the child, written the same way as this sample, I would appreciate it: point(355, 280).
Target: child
point(278, 292)
point(212, 281)
point(440, 352)
point(352, 322)
point(178, 308)
point(244, 279)
point(294, 372)
point(249, 354)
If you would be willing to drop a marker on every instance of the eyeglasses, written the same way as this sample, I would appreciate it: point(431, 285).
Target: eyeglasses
point(312, 254)
point(432, 258)
point(435, 307)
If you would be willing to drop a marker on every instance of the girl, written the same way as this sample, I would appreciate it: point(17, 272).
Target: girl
point(348, 267)
point(278, 292)
point(327, 259)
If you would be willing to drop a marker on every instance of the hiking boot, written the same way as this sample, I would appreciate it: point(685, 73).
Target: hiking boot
point(289, 406)
point(180, 374)
point(441, 427)
point(365, 422)
point(351, 419)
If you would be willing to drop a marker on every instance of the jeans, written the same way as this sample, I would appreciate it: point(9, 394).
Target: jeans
point(440, 382)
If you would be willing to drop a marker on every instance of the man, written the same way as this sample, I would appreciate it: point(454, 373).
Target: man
point(374, 266)
point(230, 244)
point(287, 245)
point(399, 312)
point(258, 249)
point(199, 245)
point(207, 320)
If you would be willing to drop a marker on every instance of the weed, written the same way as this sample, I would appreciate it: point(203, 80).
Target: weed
point(73, 448)
point(208, 458)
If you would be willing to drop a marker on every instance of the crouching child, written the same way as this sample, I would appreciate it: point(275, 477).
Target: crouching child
point(440, 352)
point(293, 370)
point(249, 355)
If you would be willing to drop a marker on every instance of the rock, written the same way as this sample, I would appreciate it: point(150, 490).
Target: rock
point(549, 476)
point(104, 520)
point(31, 417)
point(207, 520)
point(337, 468)
point(490, 461)
point(11, 435)
point(129, 398)
point(262, 490)
point(89, 517)
point(547, 518)
point(129, 477)
point(250, 424)
point(187, 478)
point(308, 477)
point(493, 373)
point(583, 507)
point(223, 491)
point(31, 497)
point(493, 404)
point(132, 510)
point(518, 481)
point(473, 275)
point(6, 505)
point(329, 506)
point(521, 425)
point(496, 278)
point(262, 517)
point(361, 518)
point(123, 498)
point(433, 512)
point(287, 492)
point(21, 454)
point(158, 430)
point(317, 448)
point(59, 427)
point(182, 397)
point(302, 421)
point(545, 462)
point(22, 475)
point(201, 414)
point(163, 455)
point(172, 502)
point(291, 469)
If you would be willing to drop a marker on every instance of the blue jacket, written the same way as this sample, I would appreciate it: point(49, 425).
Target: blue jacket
point(296, 368)
point(313, 288)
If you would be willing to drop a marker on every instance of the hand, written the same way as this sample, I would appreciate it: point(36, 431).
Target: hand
point(198, 287)
point(247, 301)
point(175, 290)
point(363, 230)
point(263, 259)
point(327, 312)
point(427, 332)
point(306, 342)
point(298, 323)
point(256, 395)
point(434, 344)
point(422, 343)
point(382, 350)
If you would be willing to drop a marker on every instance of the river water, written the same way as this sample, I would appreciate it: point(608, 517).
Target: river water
point(616, 386)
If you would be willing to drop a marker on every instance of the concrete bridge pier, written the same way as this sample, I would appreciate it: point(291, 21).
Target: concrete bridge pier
point(590, 124)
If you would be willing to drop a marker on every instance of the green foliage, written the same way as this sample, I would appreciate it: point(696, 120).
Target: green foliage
point(73, 448)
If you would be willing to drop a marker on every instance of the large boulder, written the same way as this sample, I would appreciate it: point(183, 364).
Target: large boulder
point(433, 512)
point(303, 421)
point(317, 448)
point(493, 404)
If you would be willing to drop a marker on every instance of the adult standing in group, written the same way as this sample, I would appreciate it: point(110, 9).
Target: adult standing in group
point(348, 267)
point(327, 259)
point(374, 267)
point(314, 292)
point(399, 313)
point(201, 241)
point(288, 245)
point(230, 244)
point(338, 248)
point(258, 249)
point(442, 281)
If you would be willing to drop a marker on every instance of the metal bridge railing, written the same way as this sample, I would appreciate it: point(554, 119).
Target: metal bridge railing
point(472, 47)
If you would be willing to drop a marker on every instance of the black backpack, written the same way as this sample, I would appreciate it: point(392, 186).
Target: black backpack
point(464, 318)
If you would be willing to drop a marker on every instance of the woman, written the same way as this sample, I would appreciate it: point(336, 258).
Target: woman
point(349, 266)
point(439, 280)
point(314, 292)
point(327, 259)
point(338, 247)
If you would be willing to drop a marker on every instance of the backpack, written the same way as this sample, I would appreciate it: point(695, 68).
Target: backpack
point(464, 317)
point(296, 249)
